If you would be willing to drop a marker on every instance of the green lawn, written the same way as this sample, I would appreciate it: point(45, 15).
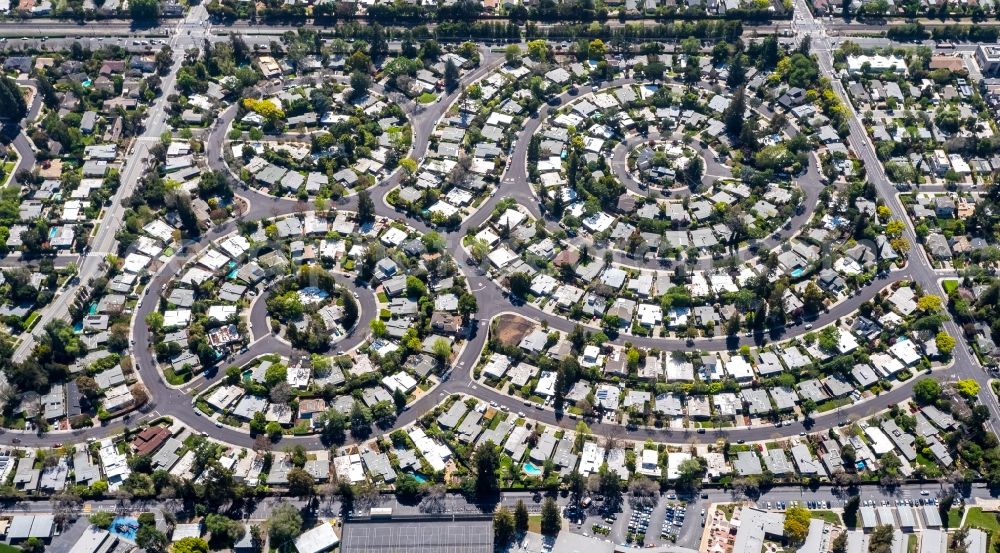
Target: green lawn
point(727, 509)
point(828, 516)
point(4, 548)
point(911, 544)
point(535, 523)
point(949, 286)
point(954, 518)
point(427, 98)
point(922, 460)
point(710, 424)
point(986, 521)
point(977, 518)
point(7, 172)
point(174, 378)
point(832, 404)
point(32, 318)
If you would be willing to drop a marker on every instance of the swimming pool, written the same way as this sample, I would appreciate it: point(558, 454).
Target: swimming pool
point(125, 527)
point(419, 477)
point(531, 470)
point(797, 272)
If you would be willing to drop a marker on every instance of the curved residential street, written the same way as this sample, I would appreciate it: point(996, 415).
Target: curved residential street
point(176, 402)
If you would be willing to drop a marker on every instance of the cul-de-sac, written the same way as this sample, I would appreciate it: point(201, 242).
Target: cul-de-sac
point(476, 276)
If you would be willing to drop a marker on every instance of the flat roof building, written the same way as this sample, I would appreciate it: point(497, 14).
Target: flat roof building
point(933, 541)
point(932, 518)
point(868, 519)
point(423, 534)
point(319, 539)
point(754, 526)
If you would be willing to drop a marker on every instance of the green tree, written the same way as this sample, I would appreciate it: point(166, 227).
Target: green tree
point(415, 288)
point(551, 522)
point(441, 349)
point(102, 519)
point(154, 320)
point(734, 115)
point(519, 284)
point(300, 483)
point(851, 511)
point(384, 413)
point(945, 342)
point(520, 518)
point(33, 545)
point(284, 525)
point(190, 545)
point(512, 54)
point(149, 538)
point(407, 487)
point(967, 387)
point(399, 399)
point(839, 544)
point(273, 430)
point(144, 10)
point(881, 538)
point(487, 461)
point(796, 523)
point(223, 529)
point(929, 302)
point(366, 207)
point(926, 391)
point(361, 420)
point(451, 77)
point(275, 374)
point(467, 305)
point(12, 103)
point(360, 83)
point(378, 328)
point(503, 527)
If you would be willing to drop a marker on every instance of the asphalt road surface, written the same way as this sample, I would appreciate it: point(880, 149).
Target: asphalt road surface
point(174, 402)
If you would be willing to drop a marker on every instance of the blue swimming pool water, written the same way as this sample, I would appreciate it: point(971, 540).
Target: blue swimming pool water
point(125, 527)
point(92, 309)
point(419, 477)
point(87, 83)
point(531, 470)
point(797, 272)
point(232, 274)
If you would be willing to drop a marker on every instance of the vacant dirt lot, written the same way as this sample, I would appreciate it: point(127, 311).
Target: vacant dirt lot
point(510, 329)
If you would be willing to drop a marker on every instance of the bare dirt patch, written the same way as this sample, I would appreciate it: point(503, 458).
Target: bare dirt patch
point(511, 329)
